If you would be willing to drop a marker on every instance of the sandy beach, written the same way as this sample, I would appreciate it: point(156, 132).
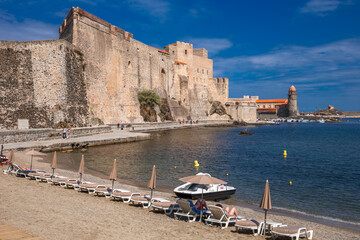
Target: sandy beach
point(52, 212)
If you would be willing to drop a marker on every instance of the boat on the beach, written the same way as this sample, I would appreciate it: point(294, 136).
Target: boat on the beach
point(209, 191)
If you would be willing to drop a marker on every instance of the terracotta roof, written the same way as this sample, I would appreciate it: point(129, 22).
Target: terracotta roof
point(266, 108)
point(173, 44)
point(271, 101)
point(163, 51)
point(180, 62)
point(278, 104)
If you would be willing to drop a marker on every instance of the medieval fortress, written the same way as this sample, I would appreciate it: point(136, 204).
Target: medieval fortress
point(94, 72)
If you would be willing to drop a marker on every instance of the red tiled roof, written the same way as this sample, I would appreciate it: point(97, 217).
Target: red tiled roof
point(271, 101)
point(180, 62)
point(266, 108)
point(163, 51)
point(278, 104)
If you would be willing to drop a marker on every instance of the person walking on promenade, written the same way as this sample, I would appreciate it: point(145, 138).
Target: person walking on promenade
point(64, 133)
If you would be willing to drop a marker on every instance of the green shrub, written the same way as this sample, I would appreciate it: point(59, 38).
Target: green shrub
point(148, 98)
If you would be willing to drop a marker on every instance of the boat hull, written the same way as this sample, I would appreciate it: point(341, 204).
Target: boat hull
point(207, 196)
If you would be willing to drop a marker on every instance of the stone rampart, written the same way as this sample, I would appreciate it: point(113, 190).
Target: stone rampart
point(43, 82)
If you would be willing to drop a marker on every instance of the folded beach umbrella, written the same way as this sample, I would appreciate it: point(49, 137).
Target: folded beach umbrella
point(266, 201)
point(82, 167)
point(152, 182)
point(33, 153)
point(54, 164)
point(202, 179)
point(113, 175)
point(11, 159)
point(12, 156)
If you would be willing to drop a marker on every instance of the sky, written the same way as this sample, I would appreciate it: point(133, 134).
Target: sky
point(262, 46)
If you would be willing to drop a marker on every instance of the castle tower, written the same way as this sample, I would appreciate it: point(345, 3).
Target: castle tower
point(292, 102)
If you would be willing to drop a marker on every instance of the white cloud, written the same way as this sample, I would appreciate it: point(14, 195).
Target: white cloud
point(335, 65)
point(213, 45)
point(328, 56)
point(27, 30)
point(321, 7)
point(155, 8)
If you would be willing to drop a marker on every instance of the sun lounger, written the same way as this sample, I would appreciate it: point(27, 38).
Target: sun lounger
point(186, 210)
point(124, 196)
point(33, 175)
point(103, 191)
point(167, 206)
point(144, 200)
point(46, 177)
point(71, 184)
point(88, 187)
point(292, 231)
point(69, 181)
point(57, 180)
point(250, 224)
point(219, 216)
point(19, 171)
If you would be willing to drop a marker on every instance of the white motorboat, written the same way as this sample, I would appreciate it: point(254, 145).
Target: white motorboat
point(209, 191)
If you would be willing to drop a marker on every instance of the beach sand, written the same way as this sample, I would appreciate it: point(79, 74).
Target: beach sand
point(52, 212)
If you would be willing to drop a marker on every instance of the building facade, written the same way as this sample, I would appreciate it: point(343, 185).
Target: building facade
point(278, 108)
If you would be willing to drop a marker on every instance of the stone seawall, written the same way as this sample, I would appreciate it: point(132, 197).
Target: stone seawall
point(13, 136)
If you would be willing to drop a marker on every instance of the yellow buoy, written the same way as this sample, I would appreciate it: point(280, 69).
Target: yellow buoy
point(196, 164)
point(290, 182)
point(175, 167)
point(285, 153)
point(227, 174)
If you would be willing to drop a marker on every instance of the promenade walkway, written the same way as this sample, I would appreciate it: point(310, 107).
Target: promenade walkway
point(137, 132)
point(116, 136)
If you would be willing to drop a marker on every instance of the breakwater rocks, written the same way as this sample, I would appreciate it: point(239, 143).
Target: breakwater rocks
point(245, 132)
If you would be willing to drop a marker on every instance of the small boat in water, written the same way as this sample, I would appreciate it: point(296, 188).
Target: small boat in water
point(209, 191)
point(322, 121)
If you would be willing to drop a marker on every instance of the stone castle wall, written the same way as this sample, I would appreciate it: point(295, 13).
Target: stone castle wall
point(94, 72)
point(242, 109)
point(42, 81)
point(118, 66)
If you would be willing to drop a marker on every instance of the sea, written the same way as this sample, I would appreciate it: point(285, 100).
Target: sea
point(319, 178)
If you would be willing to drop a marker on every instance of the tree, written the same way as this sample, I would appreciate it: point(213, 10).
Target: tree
point(148, 98)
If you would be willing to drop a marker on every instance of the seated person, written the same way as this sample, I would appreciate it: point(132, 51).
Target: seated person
point(201, 204)
point(228, 212)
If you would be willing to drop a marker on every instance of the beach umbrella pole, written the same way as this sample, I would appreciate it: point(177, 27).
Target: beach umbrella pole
point(265, 223)
point(112, 185)
point(31, 162)
point(201, 206)
point(80, 177)
point(53, 173)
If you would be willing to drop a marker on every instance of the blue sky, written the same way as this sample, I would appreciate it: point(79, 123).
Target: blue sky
point(262, 46)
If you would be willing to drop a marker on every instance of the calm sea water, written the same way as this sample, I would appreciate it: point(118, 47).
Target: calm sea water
point(323, 163)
